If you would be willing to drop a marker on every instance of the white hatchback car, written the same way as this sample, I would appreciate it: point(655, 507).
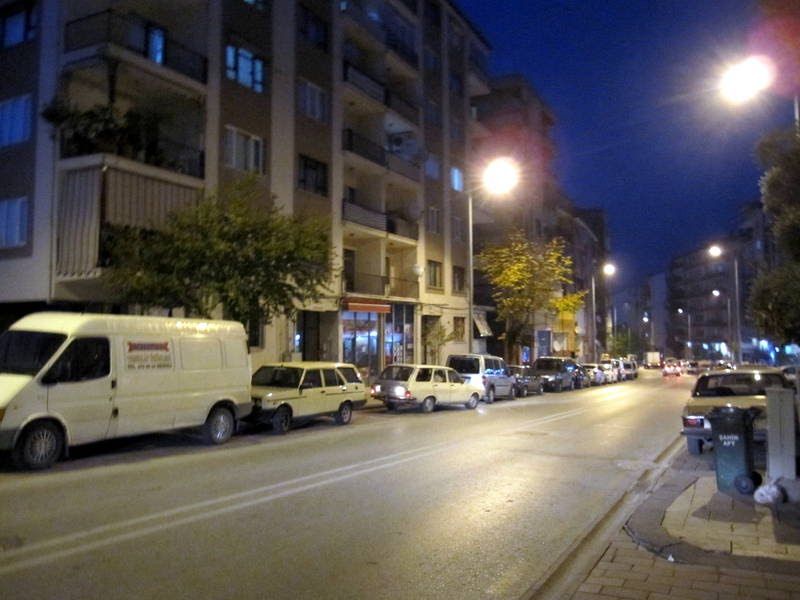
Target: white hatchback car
point(424, 386)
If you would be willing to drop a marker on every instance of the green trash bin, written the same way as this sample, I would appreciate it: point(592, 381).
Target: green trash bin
point(732, 432)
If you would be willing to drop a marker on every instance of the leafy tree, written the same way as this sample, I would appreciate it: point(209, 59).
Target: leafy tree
point(433, 338)
point(256, 262)
point(774, 296)
point(525, 277)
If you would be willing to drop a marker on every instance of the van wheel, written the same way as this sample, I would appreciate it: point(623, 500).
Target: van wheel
point(490, 396)
point(219, 426)
point(344, 414)
point(428, 404)
point(281, 421)
point(472, 402)
point(39, 446)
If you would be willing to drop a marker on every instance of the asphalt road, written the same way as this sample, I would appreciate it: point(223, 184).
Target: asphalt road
point(455, 504)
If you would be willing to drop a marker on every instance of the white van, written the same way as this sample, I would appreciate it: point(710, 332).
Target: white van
point(70, 378)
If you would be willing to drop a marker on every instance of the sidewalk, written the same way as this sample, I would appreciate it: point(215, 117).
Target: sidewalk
point(689, 541)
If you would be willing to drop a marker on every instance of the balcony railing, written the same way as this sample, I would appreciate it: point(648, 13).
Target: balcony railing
point(403, 50)
point(380, 285)
point(402, 227)
point(137, 35)
point(363, 146)
point(364, 82)
point(403, 166)
point(364, 216)
point(355, 10)
point(402, 106)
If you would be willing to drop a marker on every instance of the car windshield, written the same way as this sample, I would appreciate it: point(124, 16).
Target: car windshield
point(26, 352)
point(278, 376)
point(738, 384)
point(547, 364)
point(396, 373)
point(464, 364)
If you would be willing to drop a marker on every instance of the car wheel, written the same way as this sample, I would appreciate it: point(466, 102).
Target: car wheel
point(344, 414)
point(524, 391)
point(428, 404)
point(281, 421)
point(694, 446)
point(391, 406)
point(512, 393)
point(540, 389)
point(490, 396)
point(39, 446)
point(557, 386)
point(219, 426)
point(472, 402)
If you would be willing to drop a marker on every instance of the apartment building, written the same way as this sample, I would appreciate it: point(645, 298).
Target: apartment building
point(359, 110)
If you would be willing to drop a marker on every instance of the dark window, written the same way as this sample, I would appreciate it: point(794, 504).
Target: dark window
point(454, 377)
point(84, 359)
point(312, 176)
point(331, 377)
point(25, 352)
point(424, 375)
point(350, 374)
point(313, 29)
point(18, 22)
point(312, 379)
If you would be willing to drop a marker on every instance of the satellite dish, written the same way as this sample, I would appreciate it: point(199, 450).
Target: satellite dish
point(413, 210)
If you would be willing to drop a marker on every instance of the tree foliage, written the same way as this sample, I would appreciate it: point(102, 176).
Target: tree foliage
point(525, 277)
point(775, 295)
point(256, 262)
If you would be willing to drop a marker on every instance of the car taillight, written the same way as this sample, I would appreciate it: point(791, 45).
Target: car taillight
point(692, 421)
point(408, 394)
point(375, 389)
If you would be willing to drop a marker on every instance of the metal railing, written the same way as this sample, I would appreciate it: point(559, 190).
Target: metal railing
point(358, 144)
point(364, 216)
point(132, 32)
point(364, 82)
point(403, 166)
point(355, 10)
point(403, 50)
point(380, 285)
point(402, 106)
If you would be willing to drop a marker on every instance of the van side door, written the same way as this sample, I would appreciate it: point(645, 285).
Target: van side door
point(80, 389)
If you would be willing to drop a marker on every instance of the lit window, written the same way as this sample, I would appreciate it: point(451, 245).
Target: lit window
point(243, 151)
point(257, 4)
point(17, 24)
point(156, 38)
point(457, 179)
point(432, 167)
point(245, 68)
point(13, 222)
point(313, 101)
point(15, 120)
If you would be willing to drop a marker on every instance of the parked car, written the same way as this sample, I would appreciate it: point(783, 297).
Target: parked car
point(622, 374)
point(596, 372)
point(291, 391)
point(743, 388)
point(74, 378)
point(790, 372)
point(556, 372)
point(525, 380)
point(611, 371)
point(580, 377)
point(631, 369)
point(487, 370)
point(424, 386)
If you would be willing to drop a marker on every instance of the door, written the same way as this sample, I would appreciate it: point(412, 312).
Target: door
point(311, 399)
point(441, 387)
point(80, 389)
point(459, 391)
point(334, 389)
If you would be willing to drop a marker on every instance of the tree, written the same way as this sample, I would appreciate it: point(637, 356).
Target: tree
point(526, 277)
point(256, 262)
point(774, 296)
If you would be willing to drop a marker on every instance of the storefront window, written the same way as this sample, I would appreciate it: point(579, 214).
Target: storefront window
point(399, 334)
point(360, 341)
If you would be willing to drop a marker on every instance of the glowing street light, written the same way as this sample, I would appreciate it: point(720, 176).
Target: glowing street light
point(608, 270)
point(499, 177)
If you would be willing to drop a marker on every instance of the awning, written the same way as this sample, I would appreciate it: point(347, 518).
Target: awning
point(366, 305)
point(483, 326)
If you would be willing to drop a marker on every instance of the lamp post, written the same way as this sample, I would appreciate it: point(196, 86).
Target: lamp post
point(716, 251)
point(717, 294)
point(500, 176)
point(608, 270)
point(688, 327)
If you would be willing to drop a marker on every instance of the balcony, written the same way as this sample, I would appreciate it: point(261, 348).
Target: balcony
point(380, 285)
point(366, 23)
point(136, 35)
point(403, 166)
point(364, 216)
point(365, 86)
point(363, 147)
point(405, 108)
point(406, 52)
point(102, 188)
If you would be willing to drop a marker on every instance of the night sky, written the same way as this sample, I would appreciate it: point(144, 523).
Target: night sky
point(641, 129)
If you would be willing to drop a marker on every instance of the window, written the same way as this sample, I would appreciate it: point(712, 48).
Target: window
point(434, 224)
point(435, 274)
point(85, 359)
point(458, 229)
point(458, 329)
point(257, 4)
point(432, 167)
point(313, 29)
point(245, 68)
point(312, 379)
point(313, 101)
point(312, 176)
point(457, 179)
point(459, 279)
point(15, 120)
point(18, 23)
point(13, 222)
point(243, 151)
point(156, 38)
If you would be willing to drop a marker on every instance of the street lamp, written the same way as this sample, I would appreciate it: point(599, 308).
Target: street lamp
point(717, 294)
point(499, 177)
point(688, 327)
point(608, 270)
point(716, 251)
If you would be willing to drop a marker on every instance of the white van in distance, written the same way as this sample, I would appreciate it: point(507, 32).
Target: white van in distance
point(71, 378)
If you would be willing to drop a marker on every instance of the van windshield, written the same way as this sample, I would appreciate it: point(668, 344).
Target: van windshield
point(464, 364)
point(26, 352)
point(282, 377)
